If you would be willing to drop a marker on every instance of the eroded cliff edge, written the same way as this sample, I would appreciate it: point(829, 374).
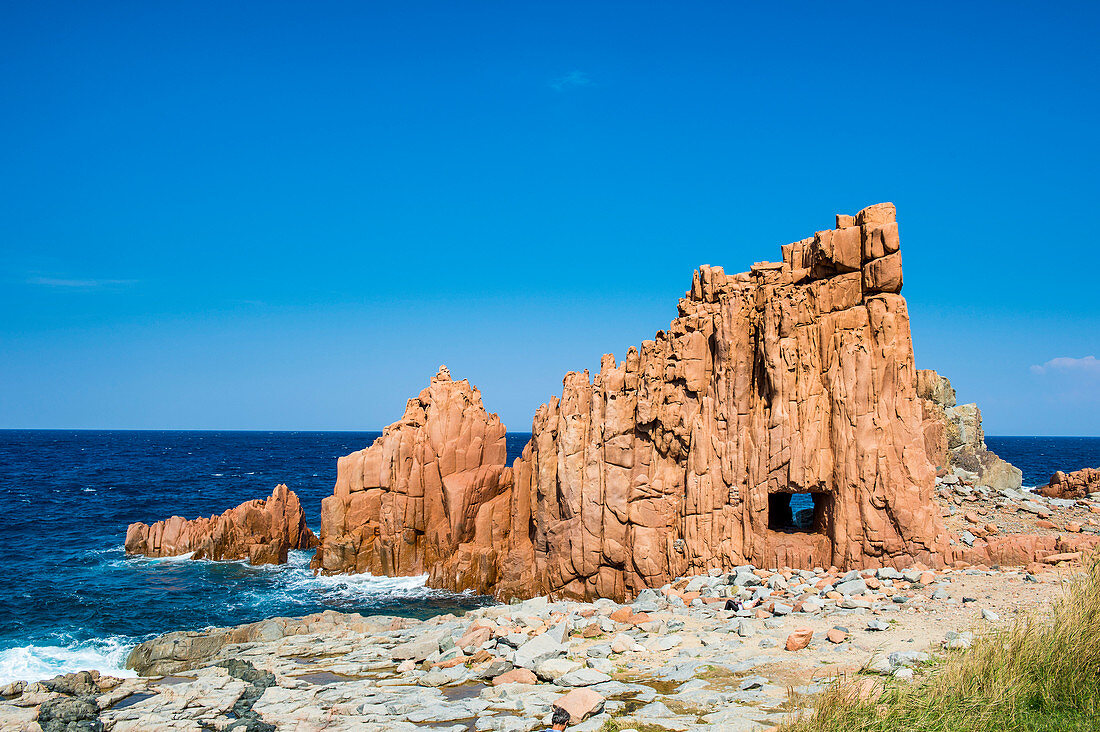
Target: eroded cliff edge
point(795, 377)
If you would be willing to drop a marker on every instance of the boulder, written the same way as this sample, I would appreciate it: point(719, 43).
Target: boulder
point(581, 704)
point(416, 650)
point(1066, 557)
point(516, 676)
point(70, 714)
point(537, 650)
point(553, 669)
point(799, 639)
point(80, 683)
point(583, 677)
point(175, 652)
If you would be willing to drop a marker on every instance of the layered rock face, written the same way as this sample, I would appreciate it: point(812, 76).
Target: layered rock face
point(794, 377)
point(1078, 484)
point(261, 531)
point(414, 501)
point(954, 438)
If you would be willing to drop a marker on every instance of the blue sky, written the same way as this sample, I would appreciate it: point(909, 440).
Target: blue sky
point(287, 215)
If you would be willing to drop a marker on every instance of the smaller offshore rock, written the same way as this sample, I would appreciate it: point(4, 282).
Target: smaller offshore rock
point(261, 531)
point(1078, 484)
point(954, 438)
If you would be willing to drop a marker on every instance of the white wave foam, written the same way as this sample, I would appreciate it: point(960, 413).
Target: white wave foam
point(34, 663)
point(138, 560)
point(160, 560)
point(106, 550)
point(296, 583)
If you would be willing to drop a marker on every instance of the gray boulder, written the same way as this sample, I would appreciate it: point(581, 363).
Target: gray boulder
point(538, 649)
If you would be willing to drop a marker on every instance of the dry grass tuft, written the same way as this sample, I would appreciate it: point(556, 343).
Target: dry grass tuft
point(1041, 675)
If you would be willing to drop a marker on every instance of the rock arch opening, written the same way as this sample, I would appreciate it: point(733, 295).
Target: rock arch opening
point(807, 513)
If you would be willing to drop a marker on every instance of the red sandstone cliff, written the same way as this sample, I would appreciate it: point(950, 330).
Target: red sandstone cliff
point(261, 531)
point(796, 376)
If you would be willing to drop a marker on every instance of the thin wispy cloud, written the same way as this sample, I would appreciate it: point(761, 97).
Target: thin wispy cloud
point(77, 284)
point(1067, 365)
point(572, 80)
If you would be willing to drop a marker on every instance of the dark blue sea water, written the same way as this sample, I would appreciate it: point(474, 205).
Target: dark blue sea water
point(70, 599)
point(1039, 457)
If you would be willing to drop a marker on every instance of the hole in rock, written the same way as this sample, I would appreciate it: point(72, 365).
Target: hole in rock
point(800, 512)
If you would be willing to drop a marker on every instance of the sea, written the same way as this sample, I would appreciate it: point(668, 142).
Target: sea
point(70, 599)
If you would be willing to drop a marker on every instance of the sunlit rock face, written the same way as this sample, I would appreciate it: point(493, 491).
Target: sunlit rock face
point(796, 377)
point(1078, 484)
point(428, 491)
point(260, 531)
point(954, 438)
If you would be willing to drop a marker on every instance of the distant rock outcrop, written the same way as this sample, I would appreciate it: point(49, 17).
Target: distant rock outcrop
point(1078, 484)
point(796, 377)
point(954, 438)
point(261, 531)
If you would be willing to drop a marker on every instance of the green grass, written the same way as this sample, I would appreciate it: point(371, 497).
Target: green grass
point(616, 725)
point(1040, 675)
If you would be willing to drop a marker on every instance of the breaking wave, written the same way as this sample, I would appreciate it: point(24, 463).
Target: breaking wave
point(35, 663)
point(294, 587)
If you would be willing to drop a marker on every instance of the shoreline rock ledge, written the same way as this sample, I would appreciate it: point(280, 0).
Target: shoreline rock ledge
point(796, 377)
point(261, 531)
point(1078, 484)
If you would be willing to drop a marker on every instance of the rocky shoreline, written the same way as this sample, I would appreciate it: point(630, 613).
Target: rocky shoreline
point(679, 658)
point(646, 536)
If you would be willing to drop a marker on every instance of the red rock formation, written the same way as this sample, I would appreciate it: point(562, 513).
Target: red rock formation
point(412, 502)
point(1078, 484)
point(1019, 549)
point(954, 438)
point(937, 396)
point(796, 376)
point(261, 531)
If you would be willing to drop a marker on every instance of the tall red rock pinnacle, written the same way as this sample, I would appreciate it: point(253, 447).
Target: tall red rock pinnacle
point(434, 480)
point(794, 377)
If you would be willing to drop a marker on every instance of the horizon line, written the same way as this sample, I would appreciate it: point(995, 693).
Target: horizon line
point(235, 429)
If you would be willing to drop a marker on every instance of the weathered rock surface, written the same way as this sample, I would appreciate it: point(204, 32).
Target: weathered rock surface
point(1078, 484)
point(685, 666)
point(181, 651)
point(1021, 549)
point(794, 377)
point(261, 531)
point(428, 491)
point(954, 438)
